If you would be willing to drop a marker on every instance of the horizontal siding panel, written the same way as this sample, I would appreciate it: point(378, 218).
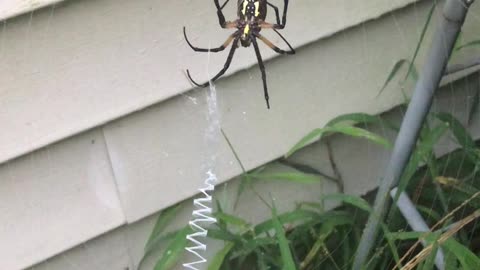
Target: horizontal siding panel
point(12, 8)
point(83, 63)
point(55, 199)
point(159, 154)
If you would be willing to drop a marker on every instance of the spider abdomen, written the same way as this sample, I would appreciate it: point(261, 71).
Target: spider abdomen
point(250, 10)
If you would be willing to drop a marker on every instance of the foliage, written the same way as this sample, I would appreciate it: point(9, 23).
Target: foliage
point(445, 190)
point(309, 237)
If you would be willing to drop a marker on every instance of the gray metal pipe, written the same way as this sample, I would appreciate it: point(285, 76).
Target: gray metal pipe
point(453, 16)
point(416, 222)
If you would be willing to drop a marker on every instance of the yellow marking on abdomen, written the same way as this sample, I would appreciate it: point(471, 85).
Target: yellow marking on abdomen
point(244, 10)
point(246, 30)
point(257, 7)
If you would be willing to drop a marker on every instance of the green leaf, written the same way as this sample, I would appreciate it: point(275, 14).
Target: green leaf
point(466, 257)
point(349, 199)
point(233, 151)
point(361, 133)
point(174, 250)
point(393, 73)
point(474, 106)
point(255, 244)
point(391, 243)
point(232, 220)
point(222, 235)
point(217, 261)
point(287, 259)
point(162, 222)
point(343, 129)
point(165, 238)
point(360, 118)
point(411, 63)
point(315, 251)
point(431, 138)
point(409, 172)
point(245, 176)
point(412, 72)
point(472, 43)
point(461, 134)
point(314, 205)
point(458, 42)
point(318, 132)
point(405, 235)
point(420, 41)
point(458, 130)
point(290, 217)
point(428, 211)
point(430, 261)
point(300, 178)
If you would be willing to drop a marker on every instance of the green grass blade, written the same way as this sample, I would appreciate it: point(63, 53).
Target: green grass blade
point(429, 212)
point(461, 134)
point(323, 234)
point(430, 261)
point(411, 64)
point(405, 235)
point(298, 215)
point(458, 42)
point(232, 220)
point(391, 243)
point(473, 43)
point(162, 222)
point(174, 250)
point(422, 37)
point(218, 259)
point(165, 238)
point(393, 73)
point(223, 235)
point(299, 178)
point(467, 258)
point(287, 259)
point(474, 106)
point(349, 199)
point(431, 138)
point(233, 151)
point(305, 140)
point(343, 129)
point(360, 133)
point(361, 118)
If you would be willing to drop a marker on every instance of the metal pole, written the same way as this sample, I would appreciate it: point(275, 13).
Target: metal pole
point(416, 222)
point(446, 34)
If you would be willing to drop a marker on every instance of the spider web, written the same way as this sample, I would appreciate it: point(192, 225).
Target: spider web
point(451, 100)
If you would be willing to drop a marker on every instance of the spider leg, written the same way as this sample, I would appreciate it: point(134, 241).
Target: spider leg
point(277, 14)
point(284, 16)
point(223, 70)
point(273, 47)
point(218, 49)
point(221, 18)
point(224, 4)
point(278, 25)
point(262, 70)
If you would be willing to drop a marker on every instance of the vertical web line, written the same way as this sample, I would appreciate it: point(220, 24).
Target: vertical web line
point(202, 215)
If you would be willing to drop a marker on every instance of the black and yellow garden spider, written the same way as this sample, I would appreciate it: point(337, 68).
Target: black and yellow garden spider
point(250, 21)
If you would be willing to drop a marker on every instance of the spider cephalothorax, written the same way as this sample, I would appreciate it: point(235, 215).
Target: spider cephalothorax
point(250, 21)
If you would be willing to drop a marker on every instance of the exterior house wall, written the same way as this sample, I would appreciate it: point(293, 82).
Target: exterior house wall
point(104, 80)
point(79, 54)
point(359, 162)
point(12, 8)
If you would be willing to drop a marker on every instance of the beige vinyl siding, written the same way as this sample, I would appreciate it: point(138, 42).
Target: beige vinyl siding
point(104, 79)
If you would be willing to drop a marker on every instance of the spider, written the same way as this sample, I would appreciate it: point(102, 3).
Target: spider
point(250, 21)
